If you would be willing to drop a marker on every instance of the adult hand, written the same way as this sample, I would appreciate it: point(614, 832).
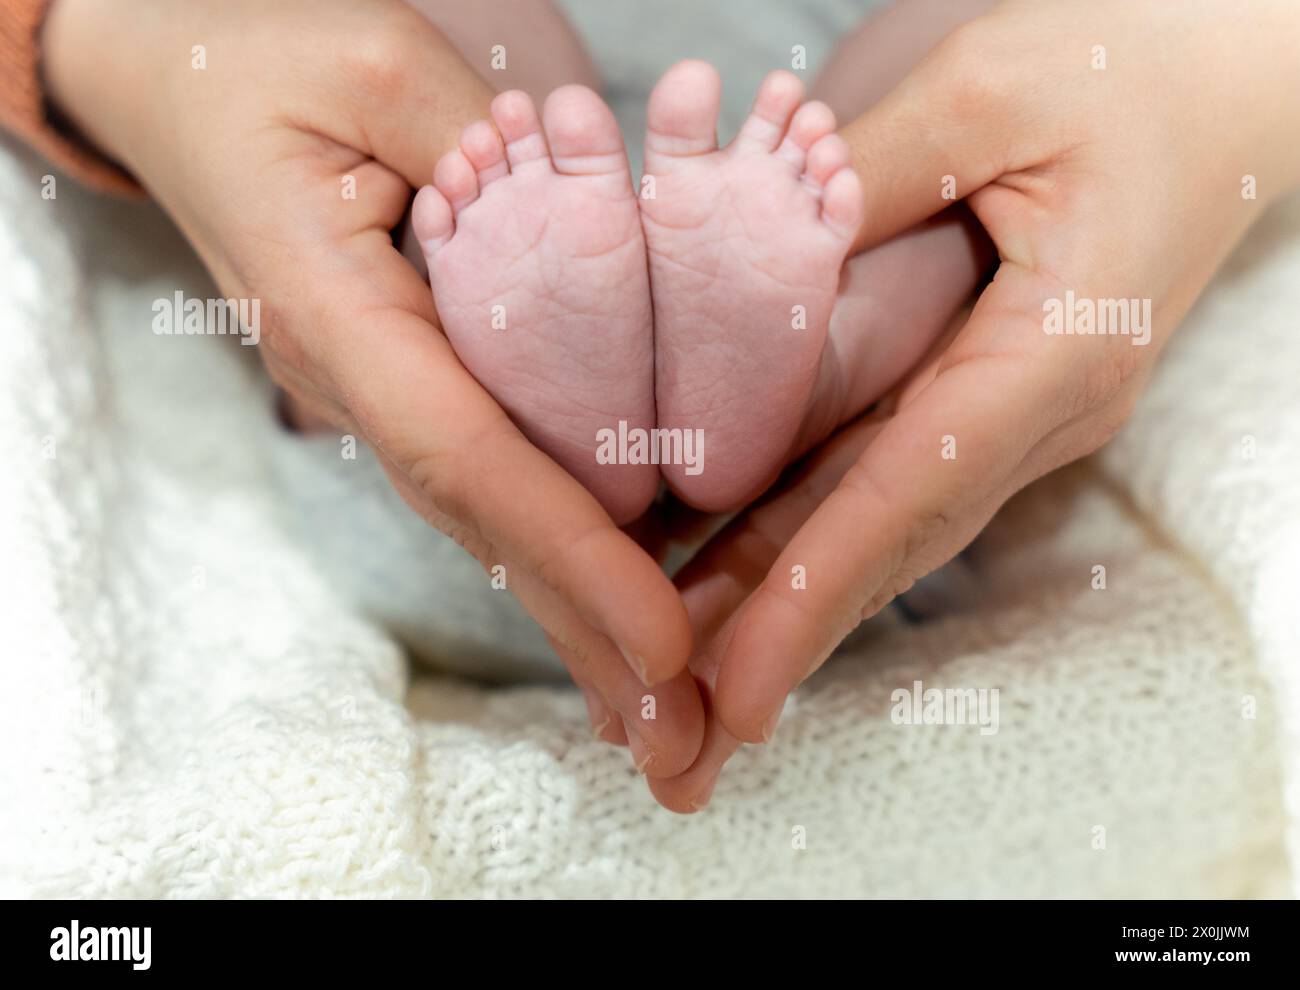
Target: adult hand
point(253, 143)
point(1115, 151)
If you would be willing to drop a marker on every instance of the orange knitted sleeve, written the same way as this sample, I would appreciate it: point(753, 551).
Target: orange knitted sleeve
point(23, 109)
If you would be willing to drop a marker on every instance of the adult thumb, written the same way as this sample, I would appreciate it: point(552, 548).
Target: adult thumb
point(944, 132)
point(398, 90)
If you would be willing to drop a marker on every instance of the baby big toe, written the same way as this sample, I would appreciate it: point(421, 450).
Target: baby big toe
point(582, 132)
point(682, 115)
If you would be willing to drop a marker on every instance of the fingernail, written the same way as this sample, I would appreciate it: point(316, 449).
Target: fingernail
point(637, 664)
point(701, 801)
point(769, 727)
point(597, 712)
point(641, 753)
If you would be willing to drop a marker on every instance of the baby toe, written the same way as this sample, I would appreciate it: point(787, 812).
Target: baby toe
point(482, 145)
point(455, 179)
point(778, 98)
point(582, 133)
point(431, 219)
point(521, 130)
point(827, 156)
point(811, 122)
point(682, 115)
point(843, 203)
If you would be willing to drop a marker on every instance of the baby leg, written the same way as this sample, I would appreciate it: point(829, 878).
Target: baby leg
point(875, 56)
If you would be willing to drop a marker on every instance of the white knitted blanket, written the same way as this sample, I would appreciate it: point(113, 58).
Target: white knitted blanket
point(203, 693)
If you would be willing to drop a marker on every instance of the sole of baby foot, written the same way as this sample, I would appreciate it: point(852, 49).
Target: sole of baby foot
point(536, 259)
point(746, 246)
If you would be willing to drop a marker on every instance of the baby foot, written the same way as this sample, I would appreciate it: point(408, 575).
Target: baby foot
point(538, 269)
point(745, 247)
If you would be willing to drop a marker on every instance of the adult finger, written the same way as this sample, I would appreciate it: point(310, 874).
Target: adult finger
point(923, 488)
point(718, 579)
point(663, 725)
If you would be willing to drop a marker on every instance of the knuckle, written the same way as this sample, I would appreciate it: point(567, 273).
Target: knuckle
point(279, 371)
point(925, 531)
point(562, 553)
point(898, 585)
point(452, 474)
point(439, 479)
point(382, 59)
point(973, 70)
point(1109, 379)
point(929, 537)
point(278, 339)
point(1111, 418)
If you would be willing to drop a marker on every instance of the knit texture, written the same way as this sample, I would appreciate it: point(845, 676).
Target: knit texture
point(203, 698)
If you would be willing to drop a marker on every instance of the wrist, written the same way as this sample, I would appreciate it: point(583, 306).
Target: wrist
point(82, 59)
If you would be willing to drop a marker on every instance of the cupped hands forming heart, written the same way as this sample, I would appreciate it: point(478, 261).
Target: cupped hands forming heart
point(701, 330)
